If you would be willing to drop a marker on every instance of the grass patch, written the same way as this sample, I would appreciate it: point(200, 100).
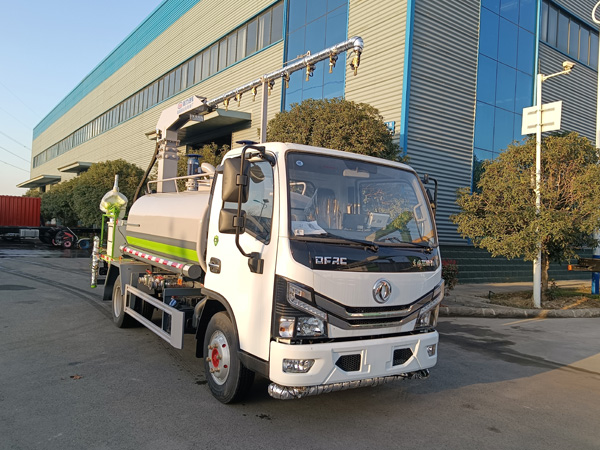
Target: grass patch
point(558, 298)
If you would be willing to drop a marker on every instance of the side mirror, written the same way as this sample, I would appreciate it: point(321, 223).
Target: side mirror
point(229, 221)
point(432, 198)
point(232, 179)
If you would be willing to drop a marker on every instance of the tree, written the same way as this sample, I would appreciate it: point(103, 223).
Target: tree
point(57, 203)
point(500, 216)
point(90, 187)
point(35, 192)
point(335, 123)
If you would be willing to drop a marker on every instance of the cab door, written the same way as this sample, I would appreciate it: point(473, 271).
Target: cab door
point(249, 294)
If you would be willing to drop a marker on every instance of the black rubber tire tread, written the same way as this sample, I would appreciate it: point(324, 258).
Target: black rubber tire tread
point(122, 320)
point(147, 310)
point(240, 378)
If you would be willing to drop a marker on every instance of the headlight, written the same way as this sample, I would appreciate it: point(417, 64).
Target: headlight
point(310, 326)
point(297, 296)
point(296, 293)
point(295, 312)
point(428, 319)
point(428, 314)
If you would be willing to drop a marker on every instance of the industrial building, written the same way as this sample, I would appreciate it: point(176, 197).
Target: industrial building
point(449, 78)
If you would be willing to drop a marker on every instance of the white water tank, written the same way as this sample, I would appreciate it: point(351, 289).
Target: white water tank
point(170, 225)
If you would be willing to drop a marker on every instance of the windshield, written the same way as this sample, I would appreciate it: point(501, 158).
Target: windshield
point(339, 198)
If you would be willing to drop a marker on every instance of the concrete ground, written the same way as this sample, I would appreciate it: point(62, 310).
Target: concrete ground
point(69, 379)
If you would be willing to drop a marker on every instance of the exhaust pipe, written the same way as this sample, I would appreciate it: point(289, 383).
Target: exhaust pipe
point(292, 392)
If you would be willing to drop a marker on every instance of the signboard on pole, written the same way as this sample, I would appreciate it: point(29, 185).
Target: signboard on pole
point(551, 115)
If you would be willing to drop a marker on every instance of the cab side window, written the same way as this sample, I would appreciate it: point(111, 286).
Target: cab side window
point(259, 207)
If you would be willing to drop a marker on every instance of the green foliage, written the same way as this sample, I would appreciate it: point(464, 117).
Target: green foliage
point(500, 215)
point(57, 203)
point(335, 123)
point(552, 293)
point(35, 192)
point(91, 186)
point(450, 273)
point(477, 171)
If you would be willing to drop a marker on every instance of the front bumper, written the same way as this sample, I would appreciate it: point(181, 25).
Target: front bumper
point(376, 359)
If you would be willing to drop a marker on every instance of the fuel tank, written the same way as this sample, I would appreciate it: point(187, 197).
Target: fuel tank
point(171, 225)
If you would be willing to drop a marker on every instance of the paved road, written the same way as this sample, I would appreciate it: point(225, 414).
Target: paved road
point(69, 379)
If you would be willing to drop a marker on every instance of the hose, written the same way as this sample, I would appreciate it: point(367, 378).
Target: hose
point(145, 177)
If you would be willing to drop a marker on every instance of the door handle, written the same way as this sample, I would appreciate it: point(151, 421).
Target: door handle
point(215, 265)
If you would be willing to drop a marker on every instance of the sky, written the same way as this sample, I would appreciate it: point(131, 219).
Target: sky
point(47, 48)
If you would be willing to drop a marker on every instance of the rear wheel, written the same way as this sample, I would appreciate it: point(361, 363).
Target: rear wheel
point(227, 377)
point(120, 319)
point(147, 310)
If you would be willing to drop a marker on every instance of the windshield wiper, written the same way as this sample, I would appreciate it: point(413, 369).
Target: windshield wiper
point(395, 242)
point(339, 240)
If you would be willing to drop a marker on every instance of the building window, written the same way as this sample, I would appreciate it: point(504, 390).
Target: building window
point(256, 34)
point(505, 75)
point(569, 35)
point(312, 26)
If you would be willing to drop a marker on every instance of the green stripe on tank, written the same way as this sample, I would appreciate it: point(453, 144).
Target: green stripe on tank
point(168, 250)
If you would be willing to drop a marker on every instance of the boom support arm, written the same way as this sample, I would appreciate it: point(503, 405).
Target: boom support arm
point(194, 108)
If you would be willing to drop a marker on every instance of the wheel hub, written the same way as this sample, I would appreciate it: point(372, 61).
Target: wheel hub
point(219, 357)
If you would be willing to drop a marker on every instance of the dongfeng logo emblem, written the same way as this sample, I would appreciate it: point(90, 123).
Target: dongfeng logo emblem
point(382, 291)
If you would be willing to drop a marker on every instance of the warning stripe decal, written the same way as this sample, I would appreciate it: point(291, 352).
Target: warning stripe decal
point(156, 259)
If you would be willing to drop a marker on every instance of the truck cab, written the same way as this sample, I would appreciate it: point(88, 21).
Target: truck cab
point(329, 267)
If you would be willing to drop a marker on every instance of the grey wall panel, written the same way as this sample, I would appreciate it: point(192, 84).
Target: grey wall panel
point(381, 72)
point(192, 32)
point(578, 92)
point(442, 100)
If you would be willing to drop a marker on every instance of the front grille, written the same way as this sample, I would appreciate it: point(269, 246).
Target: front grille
point(402, 355)
point(352, 317)
point(349, 363)
point(379, 309)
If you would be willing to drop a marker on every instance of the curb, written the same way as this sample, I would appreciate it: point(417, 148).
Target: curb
point(504, 312)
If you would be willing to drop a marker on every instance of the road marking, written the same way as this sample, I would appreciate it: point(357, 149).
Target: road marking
point(544, 313)
point(582, 300)
point(543, 316)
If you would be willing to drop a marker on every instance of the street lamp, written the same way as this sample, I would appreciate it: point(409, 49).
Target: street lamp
point(537, 263)
point(596, 275)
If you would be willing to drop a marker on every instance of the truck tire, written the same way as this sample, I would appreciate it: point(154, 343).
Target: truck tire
point(84, 244)
point(120, 319)
point(227, 377)
point(47, 236)
point(147, 310)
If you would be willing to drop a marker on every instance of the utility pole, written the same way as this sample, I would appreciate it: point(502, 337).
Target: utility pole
point(596, 255)
point(537, 263)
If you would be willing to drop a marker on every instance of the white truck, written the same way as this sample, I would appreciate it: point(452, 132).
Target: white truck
point(315, 268)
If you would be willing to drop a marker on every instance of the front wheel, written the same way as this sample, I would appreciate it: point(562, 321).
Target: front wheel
point(227, 377)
